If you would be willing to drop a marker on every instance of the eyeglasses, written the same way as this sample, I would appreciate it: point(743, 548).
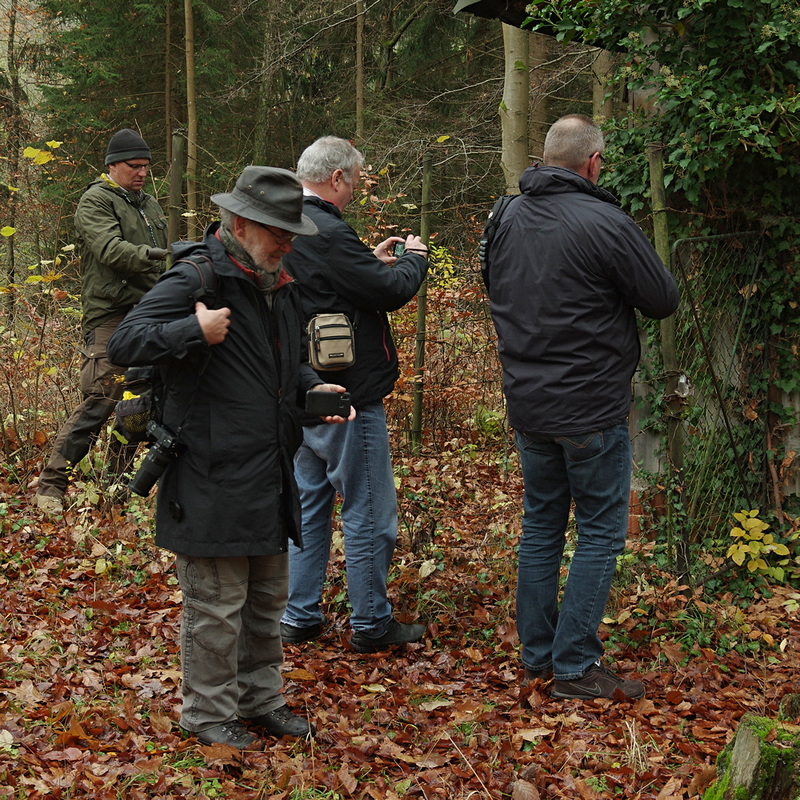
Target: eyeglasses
point(137, 167)
point(280, 238)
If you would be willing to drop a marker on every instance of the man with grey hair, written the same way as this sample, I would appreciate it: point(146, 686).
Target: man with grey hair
point(565, 272)
point(234, 363)
point(337, 272)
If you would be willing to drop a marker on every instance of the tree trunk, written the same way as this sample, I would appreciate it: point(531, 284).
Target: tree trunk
point(359, 70)
point(191, 119)
point(540, 103)
point(14, 117)
point(268, 100)
point(514, 106)
point(602, 106)
point(761, 763)
point(168, 81)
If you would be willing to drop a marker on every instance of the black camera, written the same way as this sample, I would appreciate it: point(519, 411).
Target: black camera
point(161, 452)
point(327, 404)
point(399, 249)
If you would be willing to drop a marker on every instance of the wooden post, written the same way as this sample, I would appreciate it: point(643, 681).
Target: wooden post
point(674, 403)
point(422, 307)
point(175, 187)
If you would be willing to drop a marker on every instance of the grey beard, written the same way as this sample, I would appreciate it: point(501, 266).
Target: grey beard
point(267, 280)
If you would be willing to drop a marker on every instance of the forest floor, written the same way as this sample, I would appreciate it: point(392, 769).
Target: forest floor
point(90, 672)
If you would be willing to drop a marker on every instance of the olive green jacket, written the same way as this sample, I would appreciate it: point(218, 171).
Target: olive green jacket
point(115, 229)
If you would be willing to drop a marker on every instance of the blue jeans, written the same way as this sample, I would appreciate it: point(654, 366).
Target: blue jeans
point(353, 460)
point(594, 470)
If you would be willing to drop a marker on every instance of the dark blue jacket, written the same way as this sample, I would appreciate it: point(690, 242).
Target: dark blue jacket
point(336, 272)
point(231, 491)
point(567, 268)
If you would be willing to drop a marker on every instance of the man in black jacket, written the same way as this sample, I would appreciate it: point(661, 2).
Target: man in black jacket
point(235, 370)
point(566, 269)
point(337, 272)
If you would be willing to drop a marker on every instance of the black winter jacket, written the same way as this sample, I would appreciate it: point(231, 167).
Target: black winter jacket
point(567, 268)
point(336, 272)
point(231, 490)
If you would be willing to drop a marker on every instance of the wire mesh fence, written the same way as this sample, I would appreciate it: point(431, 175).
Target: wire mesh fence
point(721, 351)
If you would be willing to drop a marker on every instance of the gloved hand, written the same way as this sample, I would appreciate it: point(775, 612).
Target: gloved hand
point(157, 253)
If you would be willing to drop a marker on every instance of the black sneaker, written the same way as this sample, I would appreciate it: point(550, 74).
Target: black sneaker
point(234, 734)
point(596, 682)
point(282, 722)
point(537, 675)
point(292, 634)
point(395, 633)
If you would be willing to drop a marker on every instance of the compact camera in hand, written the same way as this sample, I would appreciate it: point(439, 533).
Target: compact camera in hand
point(161, 452)
point(399, 249)
point(327, 404)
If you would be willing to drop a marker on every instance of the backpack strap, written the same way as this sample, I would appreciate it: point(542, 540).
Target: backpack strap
point(208, 277)
point(488, 233)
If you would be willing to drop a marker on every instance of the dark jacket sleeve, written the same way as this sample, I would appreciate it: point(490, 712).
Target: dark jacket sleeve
point(163, 325)
point(639, 274)
point(366, 281)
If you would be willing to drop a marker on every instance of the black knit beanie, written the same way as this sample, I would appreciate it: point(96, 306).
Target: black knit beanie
point(126, 144)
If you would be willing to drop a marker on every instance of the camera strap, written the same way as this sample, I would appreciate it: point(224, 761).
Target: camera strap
point(488, 234)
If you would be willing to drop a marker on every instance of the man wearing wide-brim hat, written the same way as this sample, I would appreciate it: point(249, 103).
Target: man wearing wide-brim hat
point(235, 368)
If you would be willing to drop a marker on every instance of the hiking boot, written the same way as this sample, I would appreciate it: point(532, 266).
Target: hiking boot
point(294, 634)
point(596, 682)
point(233, 734)
point(50, 504)
point(537, 675)
point(395, 633)
point(282, 722)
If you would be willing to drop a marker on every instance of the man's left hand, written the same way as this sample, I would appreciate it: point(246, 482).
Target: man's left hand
point(335, 387)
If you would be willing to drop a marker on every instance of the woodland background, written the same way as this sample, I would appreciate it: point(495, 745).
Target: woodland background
point(699, 103)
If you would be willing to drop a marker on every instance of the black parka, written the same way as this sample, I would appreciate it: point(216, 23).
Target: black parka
point(336, 272)
point(567, 267)
point(236, 405)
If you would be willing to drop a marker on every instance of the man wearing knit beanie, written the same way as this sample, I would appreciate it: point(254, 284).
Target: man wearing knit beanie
point(121, 239)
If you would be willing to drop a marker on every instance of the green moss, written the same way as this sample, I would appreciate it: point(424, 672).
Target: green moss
point(779, 753)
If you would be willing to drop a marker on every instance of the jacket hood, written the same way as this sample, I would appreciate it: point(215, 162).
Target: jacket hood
point(546, 180)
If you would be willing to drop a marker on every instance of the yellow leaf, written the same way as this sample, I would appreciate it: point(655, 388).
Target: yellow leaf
point(299, 674)
point(54, 145)
point(781, 550)
point(441, 139)
point(7, 230)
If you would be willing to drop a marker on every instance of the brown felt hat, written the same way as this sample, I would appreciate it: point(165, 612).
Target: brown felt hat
point(269, 195)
